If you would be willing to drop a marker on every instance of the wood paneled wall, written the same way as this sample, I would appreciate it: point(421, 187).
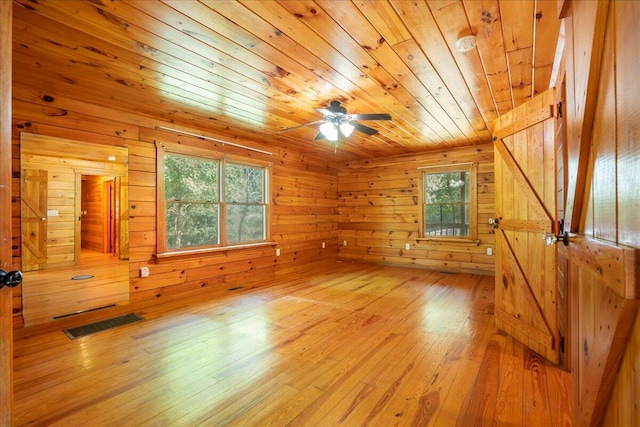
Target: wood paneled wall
point(379, 212)
point(603, 145)
point(304, 198)
point(613, 199)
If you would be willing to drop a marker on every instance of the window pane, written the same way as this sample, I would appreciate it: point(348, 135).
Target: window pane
point(190, 224)
point(244, 184)
point(190, 179)
point(245, 223)
point(447, 196)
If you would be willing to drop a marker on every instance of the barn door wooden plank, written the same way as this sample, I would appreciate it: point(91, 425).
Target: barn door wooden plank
point(526, 204)
point(34, 194)
point(604, 301)
point(538, 328)
point(533, 199)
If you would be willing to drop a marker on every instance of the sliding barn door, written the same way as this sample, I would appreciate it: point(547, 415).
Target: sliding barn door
point(34, 193)
point(526, 295)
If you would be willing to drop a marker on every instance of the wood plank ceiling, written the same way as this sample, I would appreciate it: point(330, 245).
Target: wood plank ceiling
point(249, 69)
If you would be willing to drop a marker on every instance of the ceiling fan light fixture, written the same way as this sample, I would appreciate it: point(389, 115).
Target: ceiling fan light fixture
point(346, 128)
point(329, 130)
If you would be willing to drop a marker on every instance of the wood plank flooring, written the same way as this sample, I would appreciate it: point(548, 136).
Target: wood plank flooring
point(53, 291)
point(359, 345)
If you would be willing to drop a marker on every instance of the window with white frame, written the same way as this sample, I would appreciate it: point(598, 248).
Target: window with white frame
point(206, 200)
point(448, 199)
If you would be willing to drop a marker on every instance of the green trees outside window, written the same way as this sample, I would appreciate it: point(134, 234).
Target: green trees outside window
point(212, 202)
point(446, 205)
point(448, 202)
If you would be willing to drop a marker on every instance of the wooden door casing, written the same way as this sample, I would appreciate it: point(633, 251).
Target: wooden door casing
point(6, 262)
point(525, 174)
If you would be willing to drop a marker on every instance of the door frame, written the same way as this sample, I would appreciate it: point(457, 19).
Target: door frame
point(6, 294)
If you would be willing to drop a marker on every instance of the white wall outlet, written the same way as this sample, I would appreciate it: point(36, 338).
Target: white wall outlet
point(407, 246)
point(324, 245)
point(489, 251)
point(53, 212)
point(278, 252)
point(344, 243)
point(144, 271)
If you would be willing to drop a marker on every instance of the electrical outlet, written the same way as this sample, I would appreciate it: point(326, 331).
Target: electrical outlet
point(344, 243)
point(407, 246)
point(323, 245)
point(144, 271)
point(489, 251)
point(278, 252)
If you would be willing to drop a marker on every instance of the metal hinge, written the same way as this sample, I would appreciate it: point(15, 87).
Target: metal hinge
point(561, 344)
point(559, 107)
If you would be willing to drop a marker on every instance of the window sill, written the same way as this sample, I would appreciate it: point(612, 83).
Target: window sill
point(208, 251)
point(460, 240)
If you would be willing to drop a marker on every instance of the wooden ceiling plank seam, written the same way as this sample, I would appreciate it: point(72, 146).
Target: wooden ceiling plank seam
point(190, 118)
point(335, 34)
point(452, 22)
point(411, 81)
point(156, 51)
point(204, 43)
point(253, 27)
point(334, 68)
point(362, 93)
point(413, 57)
point(142, 77)
point(126, 90)
point(518, 16)
point(546, 24)
point(484, 18)
point(429, 110)
point(521, 70)
point(208, 25)
point(280, 117)
point(418, 18)
point(327, 28)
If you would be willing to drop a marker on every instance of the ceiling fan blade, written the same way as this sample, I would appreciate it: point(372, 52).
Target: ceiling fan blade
point(301, 126)
point(370, 116)
point(365, 129)
point(325, 112)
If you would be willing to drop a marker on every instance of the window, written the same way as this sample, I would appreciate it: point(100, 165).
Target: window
point(206, 200)
point(448, 199)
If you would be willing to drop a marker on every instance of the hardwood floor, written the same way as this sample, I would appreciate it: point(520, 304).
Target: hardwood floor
point(360, 345)
point(53, 291)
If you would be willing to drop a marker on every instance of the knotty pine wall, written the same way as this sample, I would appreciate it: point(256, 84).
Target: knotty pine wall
point(379, 212)
point(304, 200)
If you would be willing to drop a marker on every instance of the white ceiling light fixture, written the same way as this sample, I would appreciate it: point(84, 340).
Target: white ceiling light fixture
point(346, 128)
point(329, 130)
point(466, 43)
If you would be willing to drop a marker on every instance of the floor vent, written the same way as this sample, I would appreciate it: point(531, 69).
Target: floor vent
point(102, 325)
point(235, 288)
point(61, 316)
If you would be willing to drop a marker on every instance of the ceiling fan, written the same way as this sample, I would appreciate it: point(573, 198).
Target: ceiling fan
point(337, 122)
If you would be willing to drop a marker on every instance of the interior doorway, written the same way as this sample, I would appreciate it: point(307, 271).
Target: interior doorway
point(99, 230)
point(79, 262)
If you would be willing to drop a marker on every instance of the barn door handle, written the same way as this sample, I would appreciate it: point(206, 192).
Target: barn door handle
point(494, 222)
point(550, 238)
point(10, 279)
point(44, 218)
